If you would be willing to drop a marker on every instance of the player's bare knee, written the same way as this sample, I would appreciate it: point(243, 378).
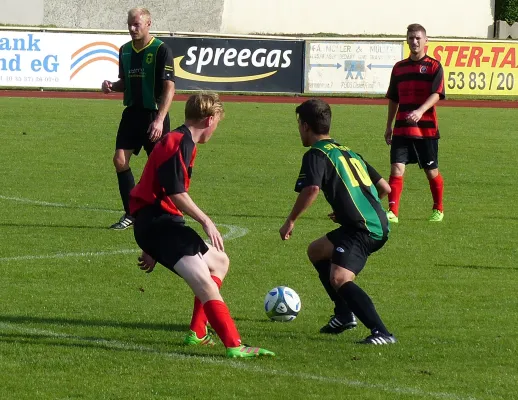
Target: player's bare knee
point(320, 249)
point(340, 276)
point(312, 252)
point(217, 261)
point(432, 173)
point(120, 163)
point(223, 263)
point(397, 169)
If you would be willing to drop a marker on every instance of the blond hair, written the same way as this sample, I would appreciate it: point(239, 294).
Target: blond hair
point(144, 12)
point(202, 105)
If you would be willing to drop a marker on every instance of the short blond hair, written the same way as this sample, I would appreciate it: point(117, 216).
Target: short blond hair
point(144, 12)
point(202, 105)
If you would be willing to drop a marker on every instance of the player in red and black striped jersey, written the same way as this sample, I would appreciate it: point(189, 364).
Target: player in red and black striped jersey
point(416, 85)
point(158, 202)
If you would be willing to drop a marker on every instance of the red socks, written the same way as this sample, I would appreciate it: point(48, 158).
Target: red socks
point(199, 319)
point(396, 186)
point(217, 314)
point(437, 188)
point(221, 321)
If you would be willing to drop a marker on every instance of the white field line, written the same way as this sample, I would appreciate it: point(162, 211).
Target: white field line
point(70, 255)
point(118, 345)
point(234, 232)
point(59, 205)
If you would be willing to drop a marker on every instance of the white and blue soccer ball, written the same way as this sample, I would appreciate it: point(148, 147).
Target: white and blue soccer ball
point(282, 304)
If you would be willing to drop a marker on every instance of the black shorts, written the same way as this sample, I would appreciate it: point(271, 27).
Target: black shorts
point(165, 237)
point(132, 133)
point(411, 151)
point(352, 248)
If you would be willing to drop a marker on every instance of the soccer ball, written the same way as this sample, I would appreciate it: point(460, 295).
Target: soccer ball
point(282, 304)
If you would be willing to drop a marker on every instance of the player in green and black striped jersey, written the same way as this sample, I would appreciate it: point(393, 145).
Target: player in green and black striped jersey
point(146, 76)
point(353, 189)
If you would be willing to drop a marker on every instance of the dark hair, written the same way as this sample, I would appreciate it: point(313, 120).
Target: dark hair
point(317, 114)
point(415, 28)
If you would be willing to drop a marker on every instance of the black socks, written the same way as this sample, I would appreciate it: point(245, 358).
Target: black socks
point(361, 305)
point(323, 268)
point(126, 183)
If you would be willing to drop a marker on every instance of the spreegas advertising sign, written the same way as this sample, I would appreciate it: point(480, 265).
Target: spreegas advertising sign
point(238, 65)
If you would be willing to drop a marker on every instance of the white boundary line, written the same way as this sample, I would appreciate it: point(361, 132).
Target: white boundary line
point(234, 232)
point(115, 344)
point(71, 255)
point(61, 205)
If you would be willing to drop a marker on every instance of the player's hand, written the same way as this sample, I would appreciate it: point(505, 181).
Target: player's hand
point(215, 237)
point(388, 135)
point(106, 87)
point(414, 117)
point(155, 130)
point(146, 263)
point(332, 217)
point(286, 229)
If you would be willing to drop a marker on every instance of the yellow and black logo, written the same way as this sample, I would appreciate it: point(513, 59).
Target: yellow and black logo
point(149, 58)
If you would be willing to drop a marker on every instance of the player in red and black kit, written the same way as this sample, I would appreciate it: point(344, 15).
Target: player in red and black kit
point(158, 203)
point(416, 85)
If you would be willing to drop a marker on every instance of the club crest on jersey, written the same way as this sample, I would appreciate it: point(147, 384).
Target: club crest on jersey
point(423, 69)
point(149, 58)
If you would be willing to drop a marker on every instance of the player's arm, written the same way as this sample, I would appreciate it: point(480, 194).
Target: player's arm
point(108, 86)
point(438, 93)
point(416, 115)
point(187, 206)
point(381, 184)
point(391, 114)
point(172, 178)
point(304, 200)
point(383, 188)
point(308, 187)
point(165, 69)
point(146, 262)
point(166, 99)
point(393, 105)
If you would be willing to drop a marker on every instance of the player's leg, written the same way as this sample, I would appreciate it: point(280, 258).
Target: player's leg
point(400, 151)
point(195, 271)
point(218, 264)
point(428, 155)
point(127, 144)
point(349, 258)
point(126, 182)
point(319, 253)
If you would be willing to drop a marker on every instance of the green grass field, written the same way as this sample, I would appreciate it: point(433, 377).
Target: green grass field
point(79, 320)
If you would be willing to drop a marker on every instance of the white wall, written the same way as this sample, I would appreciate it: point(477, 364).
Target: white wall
point(454, 18)
point(22, 12)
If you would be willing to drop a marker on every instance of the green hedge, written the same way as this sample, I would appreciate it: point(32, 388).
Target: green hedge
point(506, 10)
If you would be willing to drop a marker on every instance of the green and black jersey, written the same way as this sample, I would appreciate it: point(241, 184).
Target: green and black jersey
point(144, 71)
point(348, 183)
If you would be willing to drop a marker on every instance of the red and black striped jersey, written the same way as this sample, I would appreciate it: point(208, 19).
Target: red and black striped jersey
point(168, 171)
point(411, 83)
